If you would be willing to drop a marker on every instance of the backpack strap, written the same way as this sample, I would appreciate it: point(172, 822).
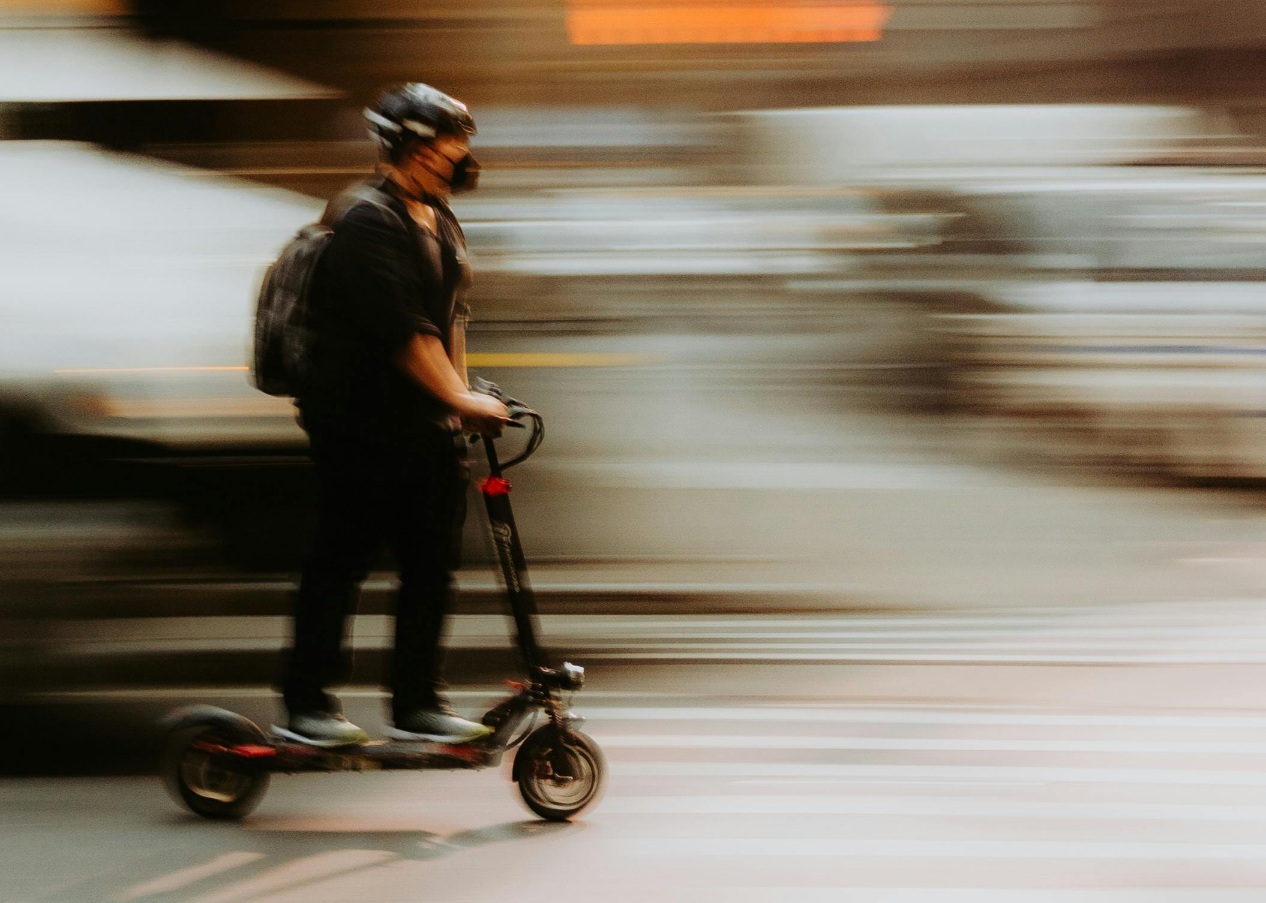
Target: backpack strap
point(372, 191)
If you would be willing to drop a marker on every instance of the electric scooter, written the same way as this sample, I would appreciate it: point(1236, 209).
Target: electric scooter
point(218, 763)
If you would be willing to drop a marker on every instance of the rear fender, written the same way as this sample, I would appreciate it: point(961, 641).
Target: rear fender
point(211, 716)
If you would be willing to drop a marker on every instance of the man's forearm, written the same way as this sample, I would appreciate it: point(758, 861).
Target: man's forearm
point(457, 342)
point(426, 362)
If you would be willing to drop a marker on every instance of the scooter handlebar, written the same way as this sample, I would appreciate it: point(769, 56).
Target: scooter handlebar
point(519, 413)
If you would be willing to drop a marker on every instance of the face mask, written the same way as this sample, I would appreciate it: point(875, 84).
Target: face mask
point(465, 174)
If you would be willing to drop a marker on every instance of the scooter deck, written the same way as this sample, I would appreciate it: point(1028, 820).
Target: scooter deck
point(285, 755)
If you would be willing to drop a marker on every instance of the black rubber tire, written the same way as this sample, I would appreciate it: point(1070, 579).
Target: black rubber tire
point(214, 786)
point(559, 773)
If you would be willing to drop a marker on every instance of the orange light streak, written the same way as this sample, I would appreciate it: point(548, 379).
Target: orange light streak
point(591, 22)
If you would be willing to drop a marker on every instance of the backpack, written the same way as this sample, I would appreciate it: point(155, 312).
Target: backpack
point(283, 338)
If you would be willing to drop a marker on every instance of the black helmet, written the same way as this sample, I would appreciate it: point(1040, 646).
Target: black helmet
point(415, 109)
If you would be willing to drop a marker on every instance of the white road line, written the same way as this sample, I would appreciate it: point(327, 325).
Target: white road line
point(979, 774)
point(798, 894)
point(809, 658)
point(755, 742)
point(931, 806)
point(917, 715)
point(757, 849)
point(1047, 634)
point(1018, 643)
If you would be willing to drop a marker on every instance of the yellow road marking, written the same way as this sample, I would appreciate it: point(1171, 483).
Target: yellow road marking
point(559, 359)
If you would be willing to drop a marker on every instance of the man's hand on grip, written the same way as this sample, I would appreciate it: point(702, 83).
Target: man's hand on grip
point(483, 414)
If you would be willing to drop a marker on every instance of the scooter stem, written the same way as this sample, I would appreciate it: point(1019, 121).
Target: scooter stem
point(505, 537)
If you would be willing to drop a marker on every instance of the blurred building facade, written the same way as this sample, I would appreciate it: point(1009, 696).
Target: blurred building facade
point(525, 52)
point(928, 51)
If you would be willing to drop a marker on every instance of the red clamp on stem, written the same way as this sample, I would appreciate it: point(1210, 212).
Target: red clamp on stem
point(494, 486)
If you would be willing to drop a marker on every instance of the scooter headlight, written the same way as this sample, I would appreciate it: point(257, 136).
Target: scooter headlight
point(572, 677)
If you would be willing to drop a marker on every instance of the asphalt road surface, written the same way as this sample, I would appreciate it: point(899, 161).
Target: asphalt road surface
point(1110, 753)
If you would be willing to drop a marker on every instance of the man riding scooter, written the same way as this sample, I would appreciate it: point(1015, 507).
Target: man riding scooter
point(385, 408)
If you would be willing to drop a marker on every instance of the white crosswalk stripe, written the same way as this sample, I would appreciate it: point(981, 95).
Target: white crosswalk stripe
point(798, 894)
point(913, 806)
point(877, 795)
point(770, 847)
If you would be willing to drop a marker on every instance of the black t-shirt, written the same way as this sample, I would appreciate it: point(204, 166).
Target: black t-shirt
point(379, 281)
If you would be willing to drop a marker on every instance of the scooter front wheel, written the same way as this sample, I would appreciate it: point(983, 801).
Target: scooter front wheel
point(559, 772)
point(213, 783)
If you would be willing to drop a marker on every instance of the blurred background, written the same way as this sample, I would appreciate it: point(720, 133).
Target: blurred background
point(908, 305)
point(903, 364)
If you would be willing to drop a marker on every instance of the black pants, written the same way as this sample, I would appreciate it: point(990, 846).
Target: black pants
point(411, 497)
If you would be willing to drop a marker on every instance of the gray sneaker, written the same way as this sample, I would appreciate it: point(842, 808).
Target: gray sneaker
point(438, 727)
point(321, 729)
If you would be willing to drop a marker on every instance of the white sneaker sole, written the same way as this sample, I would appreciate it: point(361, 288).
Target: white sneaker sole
point(283, 734)
point(396, 733)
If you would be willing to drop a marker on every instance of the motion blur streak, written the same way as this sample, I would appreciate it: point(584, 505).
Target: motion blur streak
point(604, 22)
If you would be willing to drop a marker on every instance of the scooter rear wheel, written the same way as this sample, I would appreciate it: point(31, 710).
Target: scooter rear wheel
point(212, 783)
point(559, 772)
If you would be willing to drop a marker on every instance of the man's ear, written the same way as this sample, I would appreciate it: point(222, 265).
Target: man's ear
point(414, 151)
point(424, 150)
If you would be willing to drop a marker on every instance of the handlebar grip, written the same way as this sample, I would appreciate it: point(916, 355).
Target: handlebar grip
point(518, 412)
point(485, 387)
